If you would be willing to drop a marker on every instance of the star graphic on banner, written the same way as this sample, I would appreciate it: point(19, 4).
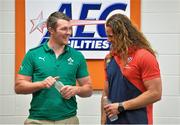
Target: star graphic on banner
point(39, 23)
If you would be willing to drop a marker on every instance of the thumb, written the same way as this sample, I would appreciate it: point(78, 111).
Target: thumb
point(57, 78)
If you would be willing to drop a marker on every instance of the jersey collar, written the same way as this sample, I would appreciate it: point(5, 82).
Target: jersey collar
point(47, 48)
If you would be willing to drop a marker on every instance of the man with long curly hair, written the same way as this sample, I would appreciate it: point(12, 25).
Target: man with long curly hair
point(133, 81)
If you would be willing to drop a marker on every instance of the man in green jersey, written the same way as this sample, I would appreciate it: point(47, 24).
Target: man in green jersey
point(39, 71)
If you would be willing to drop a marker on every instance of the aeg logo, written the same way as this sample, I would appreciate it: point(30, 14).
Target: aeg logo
point(88, 38)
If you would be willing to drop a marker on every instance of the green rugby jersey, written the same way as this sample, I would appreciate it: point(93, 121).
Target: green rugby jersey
point(41, 62)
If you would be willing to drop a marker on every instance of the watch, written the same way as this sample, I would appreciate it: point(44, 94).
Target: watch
point(121, 107)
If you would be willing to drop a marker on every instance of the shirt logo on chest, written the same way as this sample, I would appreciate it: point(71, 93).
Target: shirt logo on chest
point(42, 58)
point(70, 61)
point(128, 61)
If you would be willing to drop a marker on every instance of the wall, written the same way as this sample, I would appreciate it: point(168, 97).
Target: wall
point(160, 23)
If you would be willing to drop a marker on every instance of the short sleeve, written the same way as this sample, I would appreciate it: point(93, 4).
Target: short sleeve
point(82, 70)
point(149, 66)
point(26, 67)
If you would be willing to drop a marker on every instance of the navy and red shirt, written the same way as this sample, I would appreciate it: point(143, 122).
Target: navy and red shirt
point(127, 82)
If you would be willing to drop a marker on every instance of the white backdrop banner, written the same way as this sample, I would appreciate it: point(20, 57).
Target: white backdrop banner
point(90, 39)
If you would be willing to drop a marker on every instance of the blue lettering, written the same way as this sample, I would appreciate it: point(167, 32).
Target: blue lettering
point(105, 13)
point(89, 43)
point(67, 8)
point(84, 12)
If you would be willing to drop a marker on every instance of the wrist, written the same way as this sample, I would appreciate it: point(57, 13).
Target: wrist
point(121, 107)
point(41, 85)
point(77, 90)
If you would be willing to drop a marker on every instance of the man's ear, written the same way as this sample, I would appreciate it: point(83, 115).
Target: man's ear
point(51, 30)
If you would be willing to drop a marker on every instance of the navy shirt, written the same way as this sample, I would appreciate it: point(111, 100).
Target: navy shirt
point(120, 89)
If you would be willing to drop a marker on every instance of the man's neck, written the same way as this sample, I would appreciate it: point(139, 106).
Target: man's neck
point(57, 48)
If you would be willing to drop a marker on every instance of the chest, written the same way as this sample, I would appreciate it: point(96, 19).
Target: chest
point(48, 65)
point(131, 70)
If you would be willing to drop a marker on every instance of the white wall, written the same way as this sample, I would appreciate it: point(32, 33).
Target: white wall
point(160, 23)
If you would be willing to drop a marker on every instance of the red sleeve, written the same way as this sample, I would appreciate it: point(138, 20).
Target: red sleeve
point(149, 66)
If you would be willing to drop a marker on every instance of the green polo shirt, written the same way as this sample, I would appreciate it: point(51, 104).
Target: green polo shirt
point(41, 62)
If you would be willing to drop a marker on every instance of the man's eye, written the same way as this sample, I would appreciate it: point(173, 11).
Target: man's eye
point(64, 29)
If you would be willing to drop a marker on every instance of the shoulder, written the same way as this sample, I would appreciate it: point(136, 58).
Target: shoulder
point(108, 59)
point(75, 52)
point(108, 56)
point(144, 57)
point(34, 51)
point(143, 52)
point(148, 64)
point(39, 47)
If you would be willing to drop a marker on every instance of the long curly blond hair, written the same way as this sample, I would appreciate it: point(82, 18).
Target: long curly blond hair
point(126, 35)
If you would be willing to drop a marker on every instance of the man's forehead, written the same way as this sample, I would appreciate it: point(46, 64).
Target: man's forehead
point(63, 22)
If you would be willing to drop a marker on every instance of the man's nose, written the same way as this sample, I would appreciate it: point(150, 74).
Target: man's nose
point(108, 39)
point(69, 31)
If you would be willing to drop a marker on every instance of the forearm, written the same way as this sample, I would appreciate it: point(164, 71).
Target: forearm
point(27, 87)
point(103, 115)
point(84, 91)
point(152, 94)
point(143, 100)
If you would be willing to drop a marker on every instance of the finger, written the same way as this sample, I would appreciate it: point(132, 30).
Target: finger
point(108, 110)
point(110, 115)
point(49, 84)
point(64, 88)
point(68, 94)
point(45, 82)
point(50, 81)
point(106, 107)
point(68, 97)
point(64, 91)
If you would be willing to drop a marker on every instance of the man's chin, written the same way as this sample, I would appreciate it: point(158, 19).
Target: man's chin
point(65, 43)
